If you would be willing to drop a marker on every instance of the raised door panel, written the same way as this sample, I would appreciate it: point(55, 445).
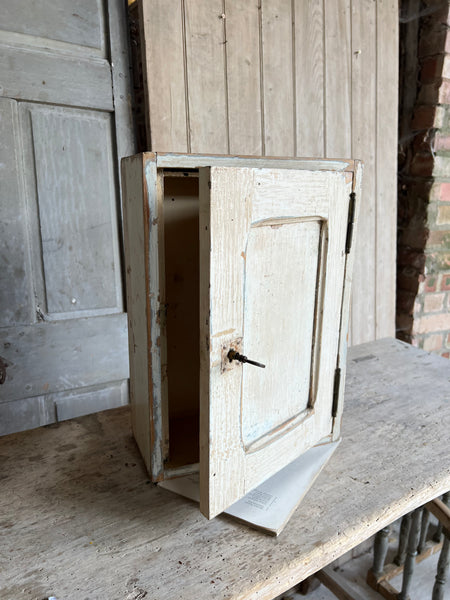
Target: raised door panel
point(71, 192)
point(272, 255)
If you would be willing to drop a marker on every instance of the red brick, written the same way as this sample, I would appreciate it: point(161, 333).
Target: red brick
point(442, 141)
point(422, 165)
point(446, 66)
point(432, 68)
point(443, 216)
point(431, 323)
point(426, 117)
point(431, 283)
point(438, 239)
point(444, 90)
point(445, 282)
point(445, 354)
point(432, 343)
point(430, 93)
point(445, 192)
point(433, 303)
point(432, 43)
point(441, 166)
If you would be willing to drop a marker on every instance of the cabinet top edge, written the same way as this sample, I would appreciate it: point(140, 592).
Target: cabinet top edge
point(190, 161)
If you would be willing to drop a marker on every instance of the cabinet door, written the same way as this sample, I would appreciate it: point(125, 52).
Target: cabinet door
point(272, 268)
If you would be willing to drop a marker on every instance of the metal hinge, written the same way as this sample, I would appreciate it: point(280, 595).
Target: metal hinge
point(337, 381)
point(351, 221)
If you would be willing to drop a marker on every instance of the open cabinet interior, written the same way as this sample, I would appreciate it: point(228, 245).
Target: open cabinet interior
point(180, 282)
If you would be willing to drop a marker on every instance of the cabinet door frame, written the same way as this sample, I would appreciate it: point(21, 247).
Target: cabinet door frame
point(237, 205)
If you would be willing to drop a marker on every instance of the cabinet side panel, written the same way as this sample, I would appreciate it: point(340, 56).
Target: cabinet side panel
point(204, 260)
point(135, 215)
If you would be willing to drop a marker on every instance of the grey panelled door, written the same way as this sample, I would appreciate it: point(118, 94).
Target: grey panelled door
point(64, 123)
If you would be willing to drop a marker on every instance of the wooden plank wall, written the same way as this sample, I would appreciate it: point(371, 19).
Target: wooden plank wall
point(287, 78)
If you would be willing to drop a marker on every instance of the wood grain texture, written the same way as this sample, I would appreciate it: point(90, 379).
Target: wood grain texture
point(63, 355)
point(386, 166)
point(327, 86)
point(247, 440)
point(206, 79)
point(64, 72)
point(86, 500)
point(80, 24)
point(338, 79)
point(40, 76)
point(277, 68)
point(142, 255)
point(243, 77)
point(364, 128)
point(309, 73)
point(124, 133)
point(186, 161)
point(78, 222)
point(164, 74)
point(51, 408)
point(16, 293)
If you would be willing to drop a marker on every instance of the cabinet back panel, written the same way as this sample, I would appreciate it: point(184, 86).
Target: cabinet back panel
point(181, 249)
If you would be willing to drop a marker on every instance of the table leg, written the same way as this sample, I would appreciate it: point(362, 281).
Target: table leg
point(442, 571)
point(405, 526)
point(413, 542)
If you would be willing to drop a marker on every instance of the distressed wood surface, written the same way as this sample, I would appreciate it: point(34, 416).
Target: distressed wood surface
point(186, 161)
point(83, 521)
point(62, 355)
point(270, 416)
point(65, 120)
point(143, 256)
point(386, 156)
point(42, 77)
point(244, 102)
point(206, 77)
point(15, 299)
point(164, 74)
point(290, 78)
point(309, 78)
point(80, 24)
point(363, 103)
point(277, 69)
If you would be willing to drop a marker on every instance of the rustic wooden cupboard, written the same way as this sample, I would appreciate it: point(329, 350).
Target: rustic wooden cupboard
point(229, 258)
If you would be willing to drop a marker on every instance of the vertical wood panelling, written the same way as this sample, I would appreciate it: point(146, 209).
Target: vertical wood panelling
point(337, 89)
point(317, 78)
point(243, 76)
point(16, 305)
point(364, 60)
point(309, 77)
point(279, 130)
point(205, 59)
point(164, 81)
point(386, 166)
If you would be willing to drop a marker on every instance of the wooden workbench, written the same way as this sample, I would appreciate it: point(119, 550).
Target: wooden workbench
point(80, 520)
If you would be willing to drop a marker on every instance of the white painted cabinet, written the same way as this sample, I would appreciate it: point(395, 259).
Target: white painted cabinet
point(229, 255)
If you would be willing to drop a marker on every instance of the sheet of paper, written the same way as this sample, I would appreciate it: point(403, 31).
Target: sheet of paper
point(269, 505)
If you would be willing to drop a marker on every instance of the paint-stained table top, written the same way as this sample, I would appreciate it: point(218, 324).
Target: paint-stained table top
point(80, 520)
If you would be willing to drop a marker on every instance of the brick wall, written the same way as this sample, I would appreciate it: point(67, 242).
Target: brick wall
point(423, 274)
